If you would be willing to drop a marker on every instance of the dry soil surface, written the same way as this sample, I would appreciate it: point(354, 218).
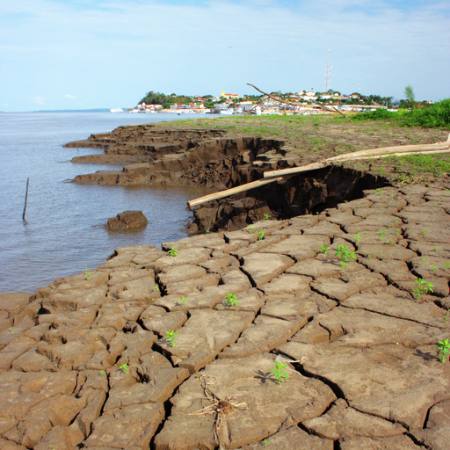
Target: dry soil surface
point(146, 351)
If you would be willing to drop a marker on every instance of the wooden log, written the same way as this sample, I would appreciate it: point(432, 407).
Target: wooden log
point(293, 170)
point(427, 152)
point(393, 149)
point(398, 150)
point(231, 191)
point(24, 213)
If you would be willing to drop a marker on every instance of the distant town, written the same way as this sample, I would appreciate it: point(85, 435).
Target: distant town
point(304, 102)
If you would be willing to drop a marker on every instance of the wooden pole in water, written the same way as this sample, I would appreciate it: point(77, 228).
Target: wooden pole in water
point(24, 220)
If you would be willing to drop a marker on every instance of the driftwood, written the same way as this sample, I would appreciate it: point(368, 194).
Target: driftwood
point(24, 213)
point(232, 191)
point(381, 152)
point(287, 102)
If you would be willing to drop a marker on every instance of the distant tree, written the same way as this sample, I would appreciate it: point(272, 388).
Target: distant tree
point(410, 97)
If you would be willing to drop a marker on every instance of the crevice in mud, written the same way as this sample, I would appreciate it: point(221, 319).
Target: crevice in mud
point(295, 195)
point(162, 351)
point(308, 430)
point(388, 279)
point(338, 392)
point(391, 316)
point(417, 441)
point(167, 413)
point(161, 286)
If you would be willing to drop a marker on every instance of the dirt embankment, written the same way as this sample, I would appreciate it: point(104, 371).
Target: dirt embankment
point(155, 156)
point(258, 338)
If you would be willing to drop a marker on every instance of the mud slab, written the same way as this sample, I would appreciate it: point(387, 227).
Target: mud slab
point(150, 350)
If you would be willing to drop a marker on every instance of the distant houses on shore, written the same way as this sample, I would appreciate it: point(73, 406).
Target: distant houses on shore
point(302, 102)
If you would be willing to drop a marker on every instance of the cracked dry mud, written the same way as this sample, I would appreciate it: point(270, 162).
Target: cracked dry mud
point(86, 362)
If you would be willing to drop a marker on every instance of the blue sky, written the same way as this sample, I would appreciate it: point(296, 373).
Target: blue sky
point(108, 53)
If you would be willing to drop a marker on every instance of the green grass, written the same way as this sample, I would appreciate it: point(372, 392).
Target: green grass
point(172, 252)
point(280, 372)
point(345, 255)
point(422, 287)
point(444, 350)
point(231, 299)
point(432, 116)
point(436, 165)
point(170, 337)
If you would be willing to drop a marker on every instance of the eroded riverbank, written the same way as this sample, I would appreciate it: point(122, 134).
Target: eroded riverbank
point(155, 156)
point(148, 346)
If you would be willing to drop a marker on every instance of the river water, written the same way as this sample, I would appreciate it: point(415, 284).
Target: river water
point(64, 234)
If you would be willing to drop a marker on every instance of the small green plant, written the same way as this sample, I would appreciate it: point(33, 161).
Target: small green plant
point(280, 372)
point(382, 235)
point(87, 275)
point(172, 252)
point(444, 350)
point(344, 254)
point(357, 238)
point(124, 368)
point(323, 249)
point(266, 442)
point(434, 268)
point(422, 287)
point(156, 288)
point(231, 299)
point(183, 300)
point(446, 265)
point(267, 216)
point(170, 337)
point(102, 372)
point(261, 235)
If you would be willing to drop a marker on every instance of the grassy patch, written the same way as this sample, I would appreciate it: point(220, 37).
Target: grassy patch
point(433, 116)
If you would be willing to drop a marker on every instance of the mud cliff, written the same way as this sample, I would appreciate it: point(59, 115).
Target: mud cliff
point(155, 156)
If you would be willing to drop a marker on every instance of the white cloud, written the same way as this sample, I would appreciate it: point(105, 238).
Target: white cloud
point(39, 100)
point(115, 52)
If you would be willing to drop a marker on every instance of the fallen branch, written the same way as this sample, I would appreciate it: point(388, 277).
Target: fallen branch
point(287, 102)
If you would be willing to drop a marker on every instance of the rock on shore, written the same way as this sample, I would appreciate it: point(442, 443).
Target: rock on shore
point(309, 353)
point(127, 221)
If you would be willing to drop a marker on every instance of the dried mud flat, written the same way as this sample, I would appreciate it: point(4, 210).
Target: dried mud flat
point(88, 362)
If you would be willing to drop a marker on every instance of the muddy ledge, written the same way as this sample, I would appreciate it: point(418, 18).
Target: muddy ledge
point(144, 351)
point(155, 156)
